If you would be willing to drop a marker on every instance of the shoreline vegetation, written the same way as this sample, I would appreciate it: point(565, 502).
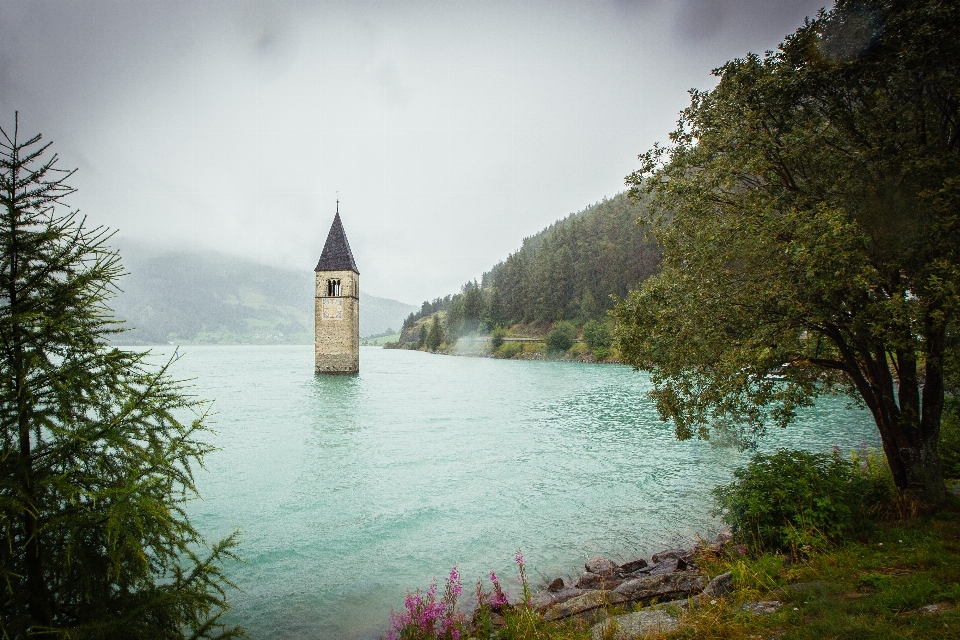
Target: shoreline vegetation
point(592, 341)
point(792, 566)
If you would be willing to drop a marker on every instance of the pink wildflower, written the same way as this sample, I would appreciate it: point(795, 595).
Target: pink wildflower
point(499, 597)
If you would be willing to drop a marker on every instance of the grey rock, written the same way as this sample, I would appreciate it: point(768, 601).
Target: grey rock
point(543, 600)
point(763, 607)
point(668, 586)
point(668, 565)
point(940, 607)
point(587, 603)
point(597, 581)
point(633, 565)
point(720, 586)
point(723, 538)
point(555, 585)
point(600, 565)
point(685, 555)
point(637, 624)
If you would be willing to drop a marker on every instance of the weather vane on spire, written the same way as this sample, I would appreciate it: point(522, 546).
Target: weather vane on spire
point(338, 200)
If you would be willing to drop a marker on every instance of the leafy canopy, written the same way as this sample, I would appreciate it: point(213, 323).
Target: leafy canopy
point(807, 209)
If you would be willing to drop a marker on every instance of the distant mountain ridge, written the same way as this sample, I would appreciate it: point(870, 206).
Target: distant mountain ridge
point(192, 297)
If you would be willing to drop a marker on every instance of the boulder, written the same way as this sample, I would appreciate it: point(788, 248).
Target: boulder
point(668, 586)
point(635, 625)
point(555, 585)
point(686, 555)
point(598, 581)
point(632, 566)
point(720, 586)
point(543, 600)
point(600, 565)
point(587, 603)
point(667, 565)
point(763, 607)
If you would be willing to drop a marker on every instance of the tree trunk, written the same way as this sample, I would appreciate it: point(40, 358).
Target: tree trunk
point(910, 440)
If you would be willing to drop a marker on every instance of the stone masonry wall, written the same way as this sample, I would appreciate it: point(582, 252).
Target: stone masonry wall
point(337, 343)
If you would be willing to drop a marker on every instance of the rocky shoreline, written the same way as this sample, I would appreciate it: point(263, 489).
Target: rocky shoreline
point(668, 577)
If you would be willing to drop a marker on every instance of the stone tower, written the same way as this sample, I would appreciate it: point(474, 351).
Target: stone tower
point(337, 343)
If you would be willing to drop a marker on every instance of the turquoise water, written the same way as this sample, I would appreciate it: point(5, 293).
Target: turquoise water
point(351, 490)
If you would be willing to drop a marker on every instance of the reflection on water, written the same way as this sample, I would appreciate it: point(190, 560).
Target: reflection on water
point(351, 489)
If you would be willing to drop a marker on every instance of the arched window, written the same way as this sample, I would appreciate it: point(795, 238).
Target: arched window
point(333, 288)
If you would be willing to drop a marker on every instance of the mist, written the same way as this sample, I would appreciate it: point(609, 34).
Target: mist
point(448, 131)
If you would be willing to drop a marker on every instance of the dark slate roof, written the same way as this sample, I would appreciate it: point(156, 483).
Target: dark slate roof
point(336, 254)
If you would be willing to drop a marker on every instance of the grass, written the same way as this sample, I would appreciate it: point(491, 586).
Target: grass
point(862, 590)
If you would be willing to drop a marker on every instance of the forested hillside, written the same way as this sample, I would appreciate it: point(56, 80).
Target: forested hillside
point(568, 271)
point(193, 297)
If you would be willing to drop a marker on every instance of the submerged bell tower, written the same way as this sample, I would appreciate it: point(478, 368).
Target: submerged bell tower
point(337, 343)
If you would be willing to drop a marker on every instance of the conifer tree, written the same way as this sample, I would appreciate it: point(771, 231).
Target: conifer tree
point(435, 335)
point(98, 447)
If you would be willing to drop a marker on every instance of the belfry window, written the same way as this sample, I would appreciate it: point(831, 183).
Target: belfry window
point(333, 288)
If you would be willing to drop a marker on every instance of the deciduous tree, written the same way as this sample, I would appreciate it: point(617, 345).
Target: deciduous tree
point(809, 208)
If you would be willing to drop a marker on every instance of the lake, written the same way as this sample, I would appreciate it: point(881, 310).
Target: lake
point(350, 490)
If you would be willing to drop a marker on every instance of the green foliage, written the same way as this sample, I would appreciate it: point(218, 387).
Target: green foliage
point(561, 336)
point(793, 499)
point(98, 448)
point(510, 349)
point(949, 450)
point(601, 353)
point(809, 223)
point(568, 271)
point(597, 335)
point(434, 335)
point(496, 338)
point(950, 439)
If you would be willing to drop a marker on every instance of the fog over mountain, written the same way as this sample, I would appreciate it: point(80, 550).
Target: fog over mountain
point(192, 297)
point(452, 130)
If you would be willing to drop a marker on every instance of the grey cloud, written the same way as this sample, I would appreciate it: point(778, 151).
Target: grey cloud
point(451, 130)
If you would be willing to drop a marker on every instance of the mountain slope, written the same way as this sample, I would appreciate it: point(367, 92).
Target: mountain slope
point(191, 297)
point(568, 271)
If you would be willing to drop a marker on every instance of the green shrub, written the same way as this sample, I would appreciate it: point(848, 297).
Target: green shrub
point(597, 336)
point(878, 493)
point(561, 336)
point(949, 446)
point(793, 500)
point(601, 353)
point(496, 338)
point(510, 349)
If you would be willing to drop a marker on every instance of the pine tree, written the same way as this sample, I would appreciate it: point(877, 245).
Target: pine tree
point(97, 458)
point(435, 335)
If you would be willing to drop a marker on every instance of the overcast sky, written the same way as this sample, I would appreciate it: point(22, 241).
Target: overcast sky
point(452, 130)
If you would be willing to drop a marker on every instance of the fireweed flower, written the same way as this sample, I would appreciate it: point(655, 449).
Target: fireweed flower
point(427, 619)
point(499, 598)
